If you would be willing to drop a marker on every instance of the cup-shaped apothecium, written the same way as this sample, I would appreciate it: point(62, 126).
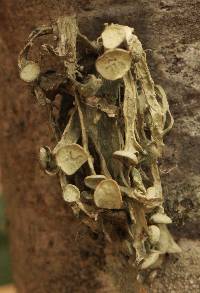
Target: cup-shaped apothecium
point(160, 218)
point(114, 35)
point(107, 195)
point(47, 161)
point(70, 158)
point(71, 193)
point(127, 154)
point(93, 180)
point(30, 71)
point(114, 64)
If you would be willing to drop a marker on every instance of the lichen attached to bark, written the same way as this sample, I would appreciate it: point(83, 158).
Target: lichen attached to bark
point(115, 117)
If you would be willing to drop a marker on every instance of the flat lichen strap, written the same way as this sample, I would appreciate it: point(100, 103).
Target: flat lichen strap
point(165, 108)
point(71, 133)
point(148, 89)
point(84, 134)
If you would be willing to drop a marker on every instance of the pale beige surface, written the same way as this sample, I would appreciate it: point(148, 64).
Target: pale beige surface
point(8, 289)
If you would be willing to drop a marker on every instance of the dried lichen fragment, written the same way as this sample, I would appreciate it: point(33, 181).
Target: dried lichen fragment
point(93, 180)
point(114, 35)
point(71, 133)
point(129, 110)
point(140, 197)
point(159, 218)
point(154, 234)
point(30, 71)
point(137, 180)
point(135, 47)
point(102, 104)
point(66, 31)
point(150, 260)
point(90, 87)
point(47, 161)
point(166, 242)
point(111, 135)
point(165, 109)
point(70, 158)
point(151, 192)
point(84, 135)
point(113, 64)
point(138, 229)
point(71, 193)
point(107, 195)
point(156, 117)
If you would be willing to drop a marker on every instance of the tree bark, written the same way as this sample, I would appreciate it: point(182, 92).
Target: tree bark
point(51, 250)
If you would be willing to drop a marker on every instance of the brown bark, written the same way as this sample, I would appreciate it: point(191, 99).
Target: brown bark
point(51, 250)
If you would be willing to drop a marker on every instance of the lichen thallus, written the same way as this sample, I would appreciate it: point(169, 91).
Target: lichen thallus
point(106, 157)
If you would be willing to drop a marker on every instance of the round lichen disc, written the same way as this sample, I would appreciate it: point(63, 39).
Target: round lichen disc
point(113, 36)
point(71, 193)
point(107, 195)
point(30, 72)
point(44, 156)
point(159, 218)
point(70, 158)
point(93, 180)
point(126, 155)
point(47, 161)
point(114, 64)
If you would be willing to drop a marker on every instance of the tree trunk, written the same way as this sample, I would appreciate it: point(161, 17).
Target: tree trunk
point(51, 250)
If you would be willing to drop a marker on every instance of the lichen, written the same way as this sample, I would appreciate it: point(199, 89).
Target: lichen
point(107, 156)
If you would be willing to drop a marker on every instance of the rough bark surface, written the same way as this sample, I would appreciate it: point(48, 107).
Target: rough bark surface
point(51, 250)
